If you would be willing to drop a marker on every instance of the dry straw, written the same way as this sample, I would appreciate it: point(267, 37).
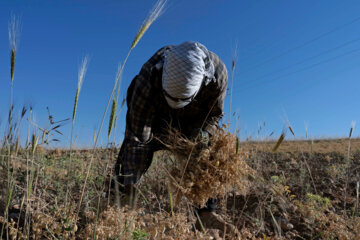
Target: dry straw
point(211, 171)
point(139, 225)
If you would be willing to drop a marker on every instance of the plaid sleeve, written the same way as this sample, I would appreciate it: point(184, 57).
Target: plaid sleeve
point(216, 111)
point(139, 117)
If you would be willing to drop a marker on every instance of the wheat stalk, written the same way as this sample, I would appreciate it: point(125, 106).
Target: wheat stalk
point(280, 140)
point(34, 143)
point(230, 101)
point(14, 29)
point(14, 32)
point(117, 86)
point(232, 81)
point(81, 76)
point(112, 116)
point(156, 11)
point(291, 130)
point(154, 14)
point(12, 64)
point(352, 126)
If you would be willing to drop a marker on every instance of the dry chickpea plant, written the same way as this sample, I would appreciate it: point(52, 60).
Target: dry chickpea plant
point(298, 189)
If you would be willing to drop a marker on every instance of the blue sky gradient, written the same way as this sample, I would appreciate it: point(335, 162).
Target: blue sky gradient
point(297, 61)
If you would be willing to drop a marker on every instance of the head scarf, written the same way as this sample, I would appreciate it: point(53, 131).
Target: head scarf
point(186, 67)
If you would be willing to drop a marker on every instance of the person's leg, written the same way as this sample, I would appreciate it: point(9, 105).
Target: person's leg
point(125, 180)
point(118, 169)
point(209, 219)
point(126, 192)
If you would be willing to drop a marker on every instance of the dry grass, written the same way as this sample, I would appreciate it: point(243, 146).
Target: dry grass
point(282, 191)
point(318, 145)
point(200, 174)
point(137, 224)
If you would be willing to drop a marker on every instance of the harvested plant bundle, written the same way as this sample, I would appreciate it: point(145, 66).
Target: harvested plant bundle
point(202, 173)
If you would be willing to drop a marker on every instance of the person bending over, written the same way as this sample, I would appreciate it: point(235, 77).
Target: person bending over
point(181, 87)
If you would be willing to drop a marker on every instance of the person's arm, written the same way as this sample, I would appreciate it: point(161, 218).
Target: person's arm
point(138, 131)
point(217, 104)
point(139, 118)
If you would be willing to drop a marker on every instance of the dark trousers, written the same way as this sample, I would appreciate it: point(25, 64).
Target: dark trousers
point(210, 206)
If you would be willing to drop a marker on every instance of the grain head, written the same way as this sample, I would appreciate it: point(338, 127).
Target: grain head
point(153, 15)
point(81, 76)
point(14, 33)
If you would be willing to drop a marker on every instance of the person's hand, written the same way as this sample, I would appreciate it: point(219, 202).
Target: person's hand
point(200, 136)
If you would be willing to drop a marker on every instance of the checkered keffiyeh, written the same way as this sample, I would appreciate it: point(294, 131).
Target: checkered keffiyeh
point(149, 113)
point(186, 66)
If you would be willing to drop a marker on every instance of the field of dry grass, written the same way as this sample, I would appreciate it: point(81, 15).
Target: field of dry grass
point(318, 145)
point(290, 194)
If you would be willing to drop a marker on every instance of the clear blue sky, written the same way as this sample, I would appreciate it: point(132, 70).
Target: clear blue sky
point(297, 60)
